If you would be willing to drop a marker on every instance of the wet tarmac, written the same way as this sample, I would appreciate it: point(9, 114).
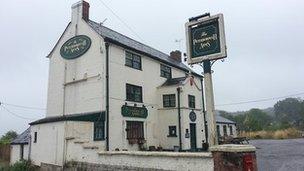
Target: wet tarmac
point(280, 155)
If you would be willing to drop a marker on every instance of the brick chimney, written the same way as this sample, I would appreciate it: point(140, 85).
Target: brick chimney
point(80, 10)
point(176, 55)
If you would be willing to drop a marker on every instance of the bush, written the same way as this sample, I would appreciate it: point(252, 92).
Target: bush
point(23, 165)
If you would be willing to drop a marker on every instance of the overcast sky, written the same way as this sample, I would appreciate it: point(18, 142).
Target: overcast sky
point(264, 40)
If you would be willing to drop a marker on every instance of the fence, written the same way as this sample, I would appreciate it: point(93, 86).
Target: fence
point(5, 152)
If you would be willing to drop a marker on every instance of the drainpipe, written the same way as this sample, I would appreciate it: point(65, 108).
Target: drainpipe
point(204, 111)
point(107, 95)
point(179, 118)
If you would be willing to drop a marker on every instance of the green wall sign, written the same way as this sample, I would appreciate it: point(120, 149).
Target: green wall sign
point(75, 47)
point(132, 111)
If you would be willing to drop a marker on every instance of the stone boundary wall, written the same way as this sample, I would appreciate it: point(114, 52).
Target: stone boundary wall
point(145, 161)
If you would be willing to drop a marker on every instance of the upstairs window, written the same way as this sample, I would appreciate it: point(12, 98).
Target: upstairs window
point(169, 100)
point(99, 130)
point(165, 71)
point(191, 101)
point(133, 60)
point(134, 93)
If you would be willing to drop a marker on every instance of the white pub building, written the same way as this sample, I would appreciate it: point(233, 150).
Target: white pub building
point(108, 92)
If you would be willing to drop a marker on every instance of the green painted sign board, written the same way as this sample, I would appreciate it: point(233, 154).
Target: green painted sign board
point(132, 111)
point(75, 47)
point(205, 39)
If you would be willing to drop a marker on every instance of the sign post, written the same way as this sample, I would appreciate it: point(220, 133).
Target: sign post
point(206, 42)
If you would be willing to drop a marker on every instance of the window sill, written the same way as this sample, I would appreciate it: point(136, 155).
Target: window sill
point(102, 139)
point(133, 67)
point(133, 101)
point(173, 136)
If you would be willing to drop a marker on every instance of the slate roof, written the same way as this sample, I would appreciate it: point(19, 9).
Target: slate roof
point(220, 119)
point(123, 40)
point(23, 138)
point(174, 81)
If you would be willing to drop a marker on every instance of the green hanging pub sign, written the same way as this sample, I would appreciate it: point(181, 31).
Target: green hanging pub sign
point(132, 111)
point(206, 39)
point(75, 47)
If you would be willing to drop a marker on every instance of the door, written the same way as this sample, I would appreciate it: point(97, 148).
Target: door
point(193, 136)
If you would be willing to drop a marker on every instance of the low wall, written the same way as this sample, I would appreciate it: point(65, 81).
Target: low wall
point(126, 160)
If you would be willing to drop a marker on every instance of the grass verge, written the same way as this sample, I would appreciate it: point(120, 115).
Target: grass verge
point(279, 134)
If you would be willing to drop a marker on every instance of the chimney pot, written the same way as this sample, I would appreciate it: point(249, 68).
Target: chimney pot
point(176, 55)
point(85, 10)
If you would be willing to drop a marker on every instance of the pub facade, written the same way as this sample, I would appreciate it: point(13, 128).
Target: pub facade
point(108, 92)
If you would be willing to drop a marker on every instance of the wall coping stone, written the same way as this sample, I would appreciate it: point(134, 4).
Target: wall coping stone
point(158, 154)
point(232, 148)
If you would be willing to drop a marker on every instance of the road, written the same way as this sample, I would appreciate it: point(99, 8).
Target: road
point(280, 155)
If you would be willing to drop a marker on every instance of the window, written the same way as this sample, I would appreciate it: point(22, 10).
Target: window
point(191, 101)
point(99, 130)
point(218, 131)
point(172, 131)
point(135, 132)
point(134, 93)
point(133, 60)
point(35, 137)
point(230, 128)
point(169, 100)
point(165, 71)
point(225, 130)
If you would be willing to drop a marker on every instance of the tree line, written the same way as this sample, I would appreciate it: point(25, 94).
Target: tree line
point(286, 113)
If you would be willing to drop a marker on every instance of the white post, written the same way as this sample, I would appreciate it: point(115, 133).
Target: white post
point(210, 110)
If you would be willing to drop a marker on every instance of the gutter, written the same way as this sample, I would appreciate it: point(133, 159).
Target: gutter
point(179, 118)
point(107, 95)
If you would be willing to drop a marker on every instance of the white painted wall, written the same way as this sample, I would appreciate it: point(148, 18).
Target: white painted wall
point(83, 96)
point(15, 154)
point(149, 78)
point(49, 145)
point(158, 160)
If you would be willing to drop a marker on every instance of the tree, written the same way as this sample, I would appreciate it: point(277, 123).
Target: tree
point(256, 120)
point(291, 111)
point(8, 137)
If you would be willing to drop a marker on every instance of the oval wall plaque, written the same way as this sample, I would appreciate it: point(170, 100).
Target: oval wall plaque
point(75, 47)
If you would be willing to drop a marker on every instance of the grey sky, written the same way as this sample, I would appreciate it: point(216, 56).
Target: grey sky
point(264, 40)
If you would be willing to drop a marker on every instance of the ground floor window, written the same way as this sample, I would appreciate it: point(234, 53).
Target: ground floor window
point(225, 130)
point(218, 131)
point(99, 130)
point(135, 132)
point(35, 137)
point(230, 128)
point(172, 131)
